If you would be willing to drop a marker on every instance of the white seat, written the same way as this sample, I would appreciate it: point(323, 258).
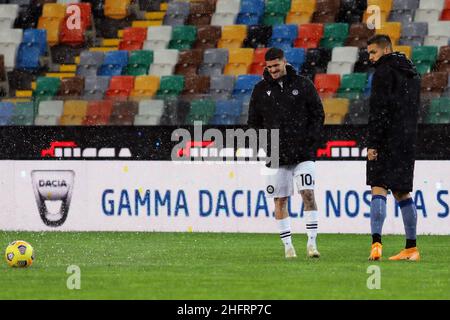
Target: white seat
point(155, 44)
point(228, 6)
point(158, 37)
point(437, 41)
point(166, 56)
point(51, 108)
point(223, 19)
point(11, 36)
point(151, 108)
point(340, 68)
point(146, 120)
point(9, 51)
point(425, 15)
point(46, 120)
point(161, 69)
point(345, 54)
point(8, 13)
point(431, 4)
point(439, 28)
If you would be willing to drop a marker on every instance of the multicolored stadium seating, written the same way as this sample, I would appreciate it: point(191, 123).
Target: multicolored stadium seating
point(152, 62)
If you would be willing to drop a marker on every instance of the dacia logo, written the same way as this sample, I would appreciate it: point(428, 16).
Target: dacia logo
point(52, 183)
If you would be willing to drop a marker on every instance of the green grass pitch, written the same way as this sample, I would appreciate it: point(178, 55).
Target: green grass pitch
point(128, 265)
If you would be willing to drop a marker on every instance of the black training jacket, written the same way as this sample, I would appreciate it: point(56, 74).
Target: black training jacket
point(296, 110)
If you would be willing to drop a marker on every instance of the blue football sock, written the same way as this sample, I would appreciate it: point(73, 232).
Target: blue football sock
point(409, 214)
point(377, 213)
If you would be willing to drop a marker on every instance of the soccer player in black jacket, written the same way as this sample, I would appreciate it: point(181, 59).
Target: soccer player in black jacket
point(392, 129)
point(289, 102)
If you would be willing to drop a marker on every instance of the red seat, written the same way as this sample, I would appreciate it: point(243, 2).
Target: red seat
point(259, 61)
point(71, 35)
point(133, 38)
point(85, 13)
point(327, 84)
point(120, 87)
point(98, 113)
point(309, 35)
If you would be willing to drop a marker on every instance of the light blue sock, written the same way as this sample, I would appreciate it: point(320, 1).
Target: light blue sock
point(377, 213)
point(409, 214)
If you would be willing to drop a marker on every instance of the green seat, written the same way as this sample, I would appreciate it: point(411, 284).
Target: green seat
point(352, 85)
point(47, 86)
point(170, 86)
point(439, 111)
point(424, 58)
point(437, 118)
point(201, 110)
point(23, 114)
point(424, 67)
point(139, 62)
point(334, 35)
point(183, 37)
point(275, 11)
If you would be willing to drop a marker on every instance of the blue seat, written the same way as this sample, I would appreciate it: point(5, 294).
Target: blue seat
point(113, 63)
point(6, 112)
point(36, 36)
point(296, 57)
point(227, 112)
point(251, 12)
point(28, 56)
point(244, 85)
point(283, 36)
point(368, 88)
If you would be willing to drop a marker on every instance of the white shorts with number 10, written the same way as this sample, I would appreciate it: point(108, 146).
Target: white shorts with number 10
point(280, 182)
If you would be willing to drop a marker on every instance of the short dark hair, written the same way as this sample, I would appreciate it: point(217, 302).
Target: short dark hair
point(382, 40)
point(273, 54)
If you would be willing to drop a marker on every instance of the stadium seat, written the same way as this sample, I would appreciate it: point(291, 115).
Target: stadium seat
point(226, 12)
point(385, 8)
point(393, 29)
point(334, 35)
point(200, 12)
point(309, 35)
point(232, 36)
point(301, 11)
point(183, 37)
point(201, 110)
point(164, 62)
point(438, 34)
point(176, 14)
point(344, 54)
point(9, 43)
point(214, 61)
point(406, 50)
point(244, 85)
point(358, 35)
point(98, 112)
point(8, 13)
point(413, 34)
point(443, 61)
point(326, 11)
point(358, 112)
point(28, 55)
point(258, 36)
point(335, 110)
point(259, 63)
point(351, 11)
point(275, 11)
point(116, 9)
point(221, 87)
point(71, 87)
point(295, 57)
point(113, 63)
point(195, 87)
point(251, 12)
point(403, 11)
point(46, 87)
point(352, 85)
point(189, 62)
point(36, 37)
point(95, 87)
point(227, 112)
point(439, 111)
point(327, 84)
point(89, 61)
point(424, 58)
point(435, 82)
point(6, 113)
point(139, 62)
point(150, 112)
point(158, 37)
point(239, 61)
point(316, 61)
point(170, 86)
point(145, 87)
point(445, 16)
point(207, 37)
point(123, 113)
point(74, 113)
point(23, 114)
point(133, 39)
point(51, 108)
point(120, 87)
point(283, 36)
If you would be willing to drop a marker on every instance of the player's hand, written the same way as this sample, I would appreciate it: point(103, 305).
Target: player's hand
point(372, 154)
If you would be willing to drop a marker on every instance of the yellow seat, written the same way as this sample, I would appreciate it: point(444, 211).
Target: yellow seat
point(298, 17)
point(116, 9)
point(75, 108)
point(239, 61)
point(145, 87)
point(52, 25)
point(163, 6)
point(336, 106)
point(303, 6)
point(393, 29)
point(54, 10)
point(232, 36)
point(333, 119)
point(69, 120)
point(385, 5)
point(404, 49)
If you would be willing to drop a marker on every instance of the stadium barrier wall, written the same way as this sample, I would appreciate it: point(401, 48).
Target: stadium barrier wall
point(201, 197)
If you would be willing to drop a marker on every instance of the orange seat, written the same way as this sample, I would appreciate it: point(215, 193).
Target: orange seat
point(259, 61)
point(145, 87)
point(232, 36)
point(133, 38)
point(116, 9)
point(54, 10)
point(120, 87)
point(327, 84)
point(309, 35)
point(98, 112)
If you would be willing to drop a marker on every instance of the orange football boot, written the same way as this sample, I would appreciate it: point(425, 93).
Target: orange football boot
point(375, 253)
point(411, 254)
